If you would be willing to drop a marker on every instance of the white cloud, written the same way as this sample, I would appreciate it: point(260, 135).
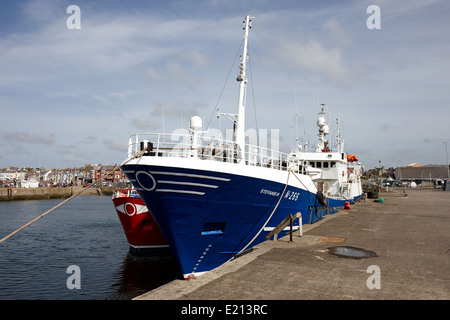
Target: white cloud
point(171, 58)
point(181, 73)
point(123, 95)
point(99, 46)
point(329, 64)
point(144, 124)
point(336, 32)
point(153, 75)
point(195, 57)
point(116, 145)
point(174, 109)
point(21, 136)
point(41, 11)
point(72, 154)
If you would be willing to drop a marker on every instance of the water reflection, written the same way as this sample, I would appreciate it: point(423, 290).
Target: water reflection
point(141, 273)
point(85, 232)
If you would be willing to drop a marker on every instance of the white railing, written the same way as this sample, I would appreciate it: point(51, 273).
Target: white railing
point(208, 148)
point(125, 193)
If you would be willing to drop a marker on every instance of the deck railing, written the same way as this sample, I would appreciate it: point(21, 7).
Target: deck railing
point(208, 148)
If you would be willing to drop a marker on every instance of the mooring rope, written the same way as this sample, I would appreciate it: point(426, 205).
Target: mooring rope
point(137, 155)
point(273, 211)
point(300, 181)
point(45, 213)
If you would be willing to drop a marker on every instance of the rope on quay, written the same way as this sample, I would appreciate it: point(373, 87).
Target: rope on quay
point(137, 155)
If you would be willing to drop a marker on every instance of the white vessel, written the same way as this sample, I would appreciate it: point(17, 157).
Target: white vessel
point(336, 174)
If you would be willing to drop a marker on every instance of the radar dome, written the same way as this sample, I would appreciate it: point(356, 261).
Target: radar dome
point(196, 123)
point(321, 121)
point(325, 129)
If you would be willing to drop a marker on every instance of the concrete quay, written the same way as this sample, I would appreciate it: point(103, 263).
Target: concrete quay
point(410, 236)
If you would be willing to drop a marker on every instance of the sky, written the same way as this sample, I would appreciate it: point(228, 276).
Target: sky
point(73, 96)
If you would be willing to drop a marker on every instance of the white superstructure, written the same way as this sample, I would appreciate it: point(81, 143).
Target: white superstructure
point(336, 174)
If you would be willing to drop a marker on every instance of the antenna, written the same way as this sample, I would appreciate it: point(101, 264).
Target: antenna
point(296, 118)
point(162, 114)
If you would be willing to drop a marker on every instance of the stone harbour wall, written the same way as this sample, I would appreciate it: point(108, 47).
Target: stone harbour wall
point(34, 193)
point(41, 193)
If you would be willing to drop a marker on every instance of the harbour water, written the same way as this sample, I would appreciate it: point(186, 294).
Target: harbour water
point(85, 232)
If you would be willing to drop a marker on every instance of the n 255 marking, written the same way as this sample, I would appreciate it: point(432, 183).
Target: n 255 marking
point(292, 195)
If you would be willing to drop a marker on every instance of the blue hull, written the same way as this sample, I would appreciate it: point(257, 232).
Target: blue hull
point(333, 206)
point(207, 221)
point(209, 217)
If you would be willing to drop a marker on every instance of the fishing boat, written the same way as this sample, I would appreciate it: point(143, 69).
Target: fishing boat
point(215, 199)
point(336, 174)
point(141, 230)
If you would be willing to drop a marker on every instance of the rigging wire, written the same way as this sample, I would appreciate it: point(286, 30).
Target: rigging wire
point(270, 216)
point(223, 88)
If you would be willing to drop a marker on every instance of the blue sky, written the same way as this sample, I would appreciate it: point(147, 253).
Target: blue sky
point(72, 97)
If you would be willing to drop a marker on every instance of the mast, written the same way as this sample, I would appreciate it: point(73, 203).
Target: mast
point(242, 79)
point(323, 131)
point(338, 137)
